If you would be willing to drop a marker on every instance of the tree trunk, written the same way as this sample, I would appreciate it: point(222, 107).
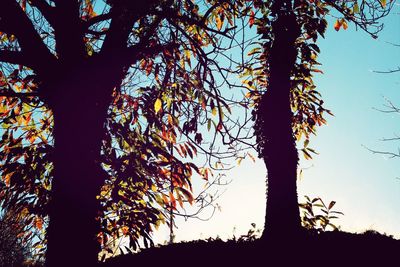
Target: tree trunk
point(278, 147)
point(80, 109)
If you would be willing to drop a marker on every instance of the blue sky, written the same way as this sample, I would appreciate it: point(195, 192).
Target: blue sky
point(363, 184)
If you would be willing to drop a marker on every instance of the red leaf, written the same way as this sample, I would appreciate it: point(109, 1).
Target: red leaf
point(251, 20)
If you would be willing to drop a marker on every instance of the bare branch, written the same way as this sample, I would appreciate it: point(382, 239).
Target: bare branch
point(18, 95)
point(388, 71)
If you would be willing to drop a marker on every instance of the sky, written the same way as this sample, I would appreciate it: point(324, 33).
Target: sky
point(364, 185)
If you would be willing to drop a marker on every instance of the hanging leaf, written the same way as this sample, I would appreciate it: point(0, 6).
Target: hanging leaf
point(157, 105)
point(344, 24)
point(337, 25)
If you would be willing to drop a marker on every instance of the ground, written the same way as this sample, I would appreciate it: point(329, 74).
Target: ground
point(312, 249)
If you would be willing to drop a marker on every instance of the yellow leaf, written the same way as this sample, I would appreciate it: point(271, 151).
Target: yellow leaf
point(3, 108)
point(383, 3)
point(187, 53)
point(157, 105)
point(153, 188)
point(214, 111)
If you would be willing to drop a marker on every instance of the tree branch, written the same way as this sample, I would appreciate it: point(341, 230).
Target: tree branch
point(14, 20)
point(18, 95)
point(69, 32)
point(387, 71)
point(132, 54)
point(46, 10)
point(122, 20)
point(15, 57)
point(97, 19)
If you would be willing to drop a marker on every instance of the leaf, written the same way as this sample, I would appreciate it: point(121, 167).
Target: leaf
point(218, 22)
point(172, 200)
point(383, 3)
point(317, 70)
point(7, 178)
point(337, 25)
point(39, 223)
point(149, 67)
point(345, 26)
point(157, 105)
point(306, 154)
point(187, 194)
point(214, 111)
point(331, 204)
point(252, 157)
point(23, 5)
point(219, 126)
point(253, 51)
point(356, 8)
point(251, 19)
point(170, 119)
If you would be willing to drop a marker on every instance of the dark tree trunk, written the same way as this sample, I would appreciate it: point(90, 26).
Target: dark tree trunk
point(278, 147)
point(80, 109)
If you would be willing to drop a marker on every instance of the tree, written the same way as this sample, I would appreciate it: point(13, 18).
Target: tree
point(288, 107)
point(63, 59)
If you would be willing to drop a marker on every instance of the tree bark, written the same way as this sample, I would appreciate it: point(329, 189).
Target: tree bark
point(274, 119)
point(79, 106)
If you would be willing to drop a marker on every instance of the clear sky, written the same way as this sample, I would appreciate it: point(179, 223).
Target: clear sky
point(363, 184)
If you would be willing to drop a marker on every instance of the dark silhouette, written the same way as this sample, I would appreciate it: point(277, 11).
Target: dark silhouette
point(78, 88)
point(328, 248)
point(77, 83)
point(274, 127)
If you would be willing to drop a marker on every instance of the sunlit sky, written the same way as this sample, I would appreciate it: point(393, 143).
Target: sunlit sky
point(363, 184)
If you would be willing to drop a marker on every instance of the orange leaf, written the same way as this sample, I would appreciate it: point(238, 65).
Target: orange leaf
point(219, 22)
point(345, 26)
point(172, 200)
point(337, 25)
point(39, 223)
point(125, 230)
point(7, 178)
